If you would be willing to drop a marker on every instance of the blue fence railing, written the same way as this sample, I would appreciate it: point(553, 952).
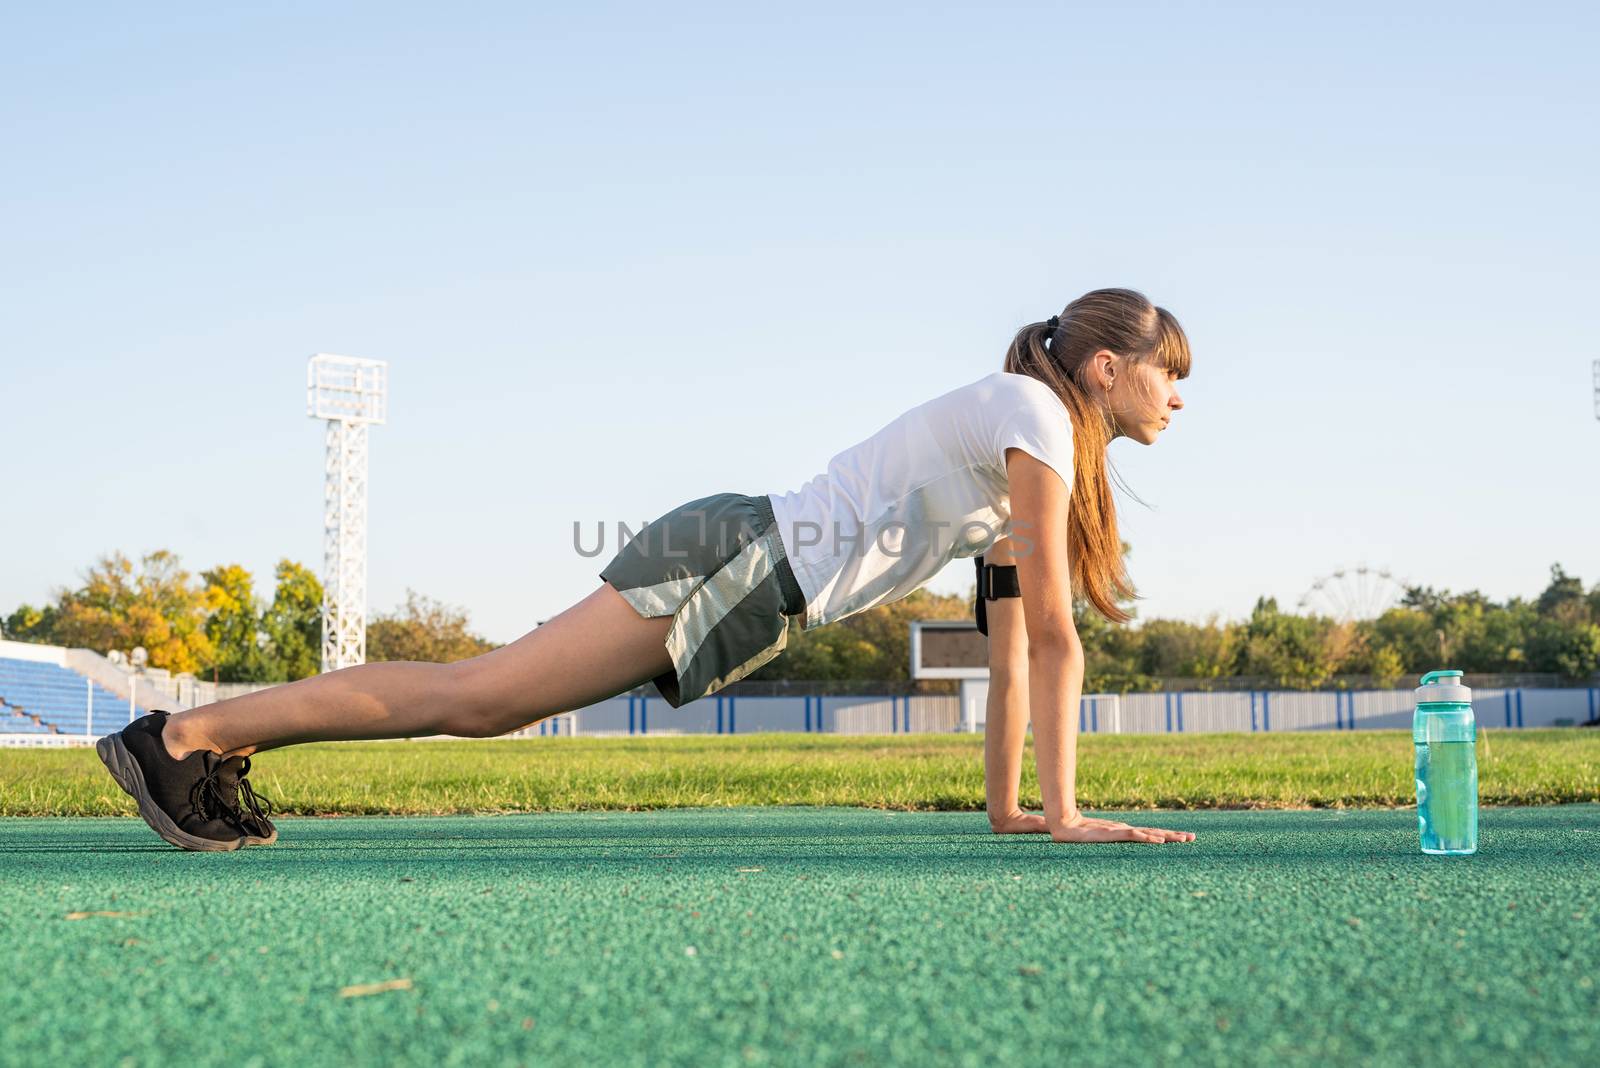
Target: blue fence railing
point(1136, 713)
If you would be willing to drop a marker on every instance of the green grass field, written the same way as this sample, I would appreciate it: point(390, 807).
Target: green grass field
point(913, 772)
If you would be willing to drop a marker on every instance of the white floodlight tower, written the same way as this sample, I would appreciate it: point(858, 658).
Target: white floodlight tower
point(351, 394)
point(1597, 389)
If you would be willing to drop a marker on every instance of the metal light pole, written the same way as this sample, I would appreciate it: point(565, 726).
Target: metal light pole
point(351, 394)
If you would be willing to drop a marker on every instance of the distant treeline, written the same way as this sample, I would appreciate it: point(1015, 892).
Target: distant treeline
point(215, 626)
point(1556, 633)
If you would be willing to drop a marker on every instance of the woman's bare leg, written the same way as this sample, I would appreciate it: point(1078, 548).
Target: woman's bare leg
point(598, 648)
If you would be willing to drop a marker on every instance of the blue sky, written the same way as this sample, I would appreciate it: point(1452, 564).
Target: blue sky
point(622, 256)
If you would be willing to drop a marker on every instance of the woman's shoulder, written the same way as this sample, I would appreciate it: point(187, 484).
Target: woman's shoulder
point(994, 399)
point(1008, 384)
point(1019, 390)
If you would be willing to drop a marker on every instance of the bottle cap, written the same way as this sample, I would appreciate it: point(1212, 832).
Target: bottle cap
point(1441, 687)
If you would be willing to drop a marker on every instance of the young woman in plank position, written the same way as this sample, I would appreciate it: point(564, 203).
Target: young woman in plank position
point(1011, 467)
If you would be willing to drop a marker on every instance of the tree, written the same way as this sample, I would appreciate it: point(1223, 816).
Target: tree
point(871, 645)
point(1386, 666)
point(240, 651)
point(30, 624)
point(1570, 649)
point(157, 606)
point(293, 622)
point(1434, 628)
point(216, 627)
point(1500, 643)
point(1168, 648)
point(425, 630)
point(1114, 655)
point(1564, 599)
point(1290, 650)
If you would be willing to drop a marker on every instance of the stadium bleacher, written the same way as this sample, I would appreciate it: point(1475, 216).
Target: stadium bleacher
point(14, 721)
point(39, 698)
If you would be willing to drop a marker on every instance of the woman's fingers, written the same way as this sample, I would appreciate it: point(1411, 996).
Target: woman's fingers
point(1169, 836)
point(1084, 833)
point(1134, 834)
point(1164, 834)
point(1090, 829)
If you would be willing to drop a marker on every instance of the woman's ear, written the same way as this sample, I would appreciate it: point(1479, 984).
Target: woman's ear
point(1105, 367)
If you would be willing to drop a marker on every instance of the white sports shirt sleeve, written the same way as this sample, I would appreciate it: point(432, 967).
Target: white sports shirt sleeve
point(1038, 429)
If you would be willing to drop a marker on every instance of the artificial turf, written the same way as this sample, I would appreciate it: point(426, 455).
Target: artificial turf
point(803, 936)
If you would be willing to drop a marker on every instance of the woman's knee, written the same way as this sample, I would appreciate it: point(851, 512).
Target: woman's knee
point(461, 724)
point(477, 705)
point(464, 726)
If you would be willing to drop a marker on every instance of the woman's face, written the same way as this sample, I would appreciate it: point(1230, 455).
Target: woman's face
point(1142, 397)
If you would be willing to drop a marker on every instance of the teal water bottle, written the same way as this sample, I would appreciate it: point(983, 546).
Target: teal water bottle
point(1445, 735)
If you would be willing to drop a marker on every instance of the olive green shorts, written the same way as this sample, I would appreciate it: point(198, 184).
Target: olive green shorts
point(718, 567)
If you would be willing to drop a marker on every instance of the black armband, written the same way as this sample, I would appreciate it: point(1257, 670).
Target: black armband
point(994, 581)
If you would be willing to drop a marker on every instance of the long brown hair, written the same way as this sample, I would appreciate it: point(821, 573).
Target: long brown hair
point(1125, 322)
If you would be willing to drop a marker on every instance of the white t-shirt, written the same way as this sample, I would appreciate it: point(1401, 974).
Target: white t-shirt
point(891, 511)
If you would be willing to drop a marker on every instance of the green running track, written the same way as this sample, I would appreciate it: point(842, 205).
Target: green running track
point(802, 937)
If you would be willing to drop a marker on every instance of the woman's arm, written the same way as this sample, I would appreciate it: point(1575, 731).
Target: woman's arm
point(1055, 658)
point(1005, 731)
point(1039, 501)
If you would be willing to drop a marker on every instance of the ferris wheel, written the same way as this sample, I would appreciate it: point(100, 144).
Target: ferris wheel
point(1352, 593)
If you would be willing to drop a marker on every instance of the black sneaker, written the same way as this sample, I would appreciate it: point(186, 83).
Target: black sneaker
point(253, 809)
point(184, 801)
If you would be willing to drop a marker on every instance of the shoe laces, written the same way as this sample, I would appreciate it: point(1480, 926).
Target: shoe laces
point(260, 807)
point(211, 800)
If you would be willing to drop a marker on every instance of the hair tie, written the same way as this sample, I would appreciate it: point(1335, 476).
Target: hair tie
point(1053, 322)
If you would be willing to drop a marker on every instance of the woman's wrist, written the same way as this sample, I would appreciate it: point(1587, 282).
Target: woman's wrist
point(1064, 817)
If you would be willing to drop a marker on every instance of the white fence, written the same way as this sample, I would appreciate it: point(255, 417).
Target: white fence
point(1133, 713)
point(725, 714)
point(47, 741)
point(1293, 710)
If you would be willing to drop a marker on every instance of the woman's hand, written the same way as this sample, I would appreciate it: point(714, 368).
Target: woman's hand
point(1019, 822)
point(1081, 828)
